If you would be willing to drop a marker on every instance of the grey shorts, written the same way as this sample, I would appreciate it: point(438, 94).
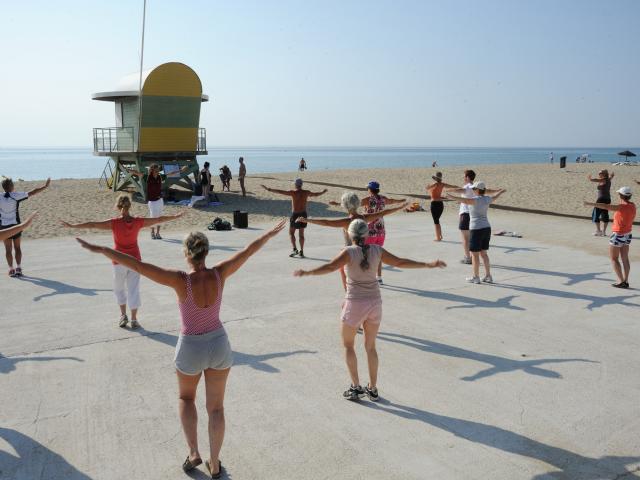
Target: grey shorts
point(195, 353)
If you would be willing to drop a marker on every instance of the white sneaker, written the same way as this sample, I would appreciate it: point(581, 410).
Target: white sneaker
point(135, 324)
point(380, 280)
point(123, 321)
point(488, 279)
point(473, 279)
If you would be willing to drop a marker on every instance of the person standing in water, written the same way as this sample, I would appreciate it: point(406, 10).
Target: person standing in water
point(599, 215)
point(375, 203)
point(125, 228)
point(299, 199)
point(242, 172)
point(437, 205)
point(620, 240)
point(363, 304)
point(9, 216)
point(203, 346)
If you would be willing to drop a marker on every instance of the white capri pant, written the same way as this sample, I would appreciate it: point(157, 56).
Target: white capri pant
point(126, 286)
point(155, 208)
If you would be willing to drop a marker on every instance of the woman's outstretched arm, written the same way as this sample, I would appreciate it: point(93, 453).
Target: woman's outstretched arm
point(104, 225)
point(340, 261)
point(458, 198)
point(228, 267)
point(372, 217)
point(11, 231)
point(326, 222)
point(149, 222)
point(391, 259)
point(170, 278)
point(36, 191)
point(603, 206)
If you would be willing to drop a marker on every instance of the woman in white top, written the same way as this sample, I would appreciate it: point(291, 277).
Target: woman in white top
point(479, 229)
point(362, 305)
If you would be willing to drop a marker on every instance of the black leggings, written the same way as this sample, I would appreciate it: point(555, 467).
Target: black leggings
point(437, 207)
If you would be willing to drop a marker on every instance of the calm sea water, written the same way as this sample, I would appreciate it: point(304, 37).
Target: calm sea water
point(39, 163)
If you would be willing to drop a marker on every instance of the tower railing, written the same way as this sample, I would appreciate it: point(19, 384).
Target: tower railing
point(202, 140)
point(113, 139)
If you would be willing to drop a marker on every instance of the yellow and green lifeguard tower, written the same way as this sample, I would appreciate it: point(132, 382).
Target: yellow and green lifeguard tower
point(158, 123)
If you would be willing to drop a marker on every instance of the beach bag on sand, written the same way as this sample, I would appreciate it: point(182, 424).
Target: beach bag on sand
point(219, 224)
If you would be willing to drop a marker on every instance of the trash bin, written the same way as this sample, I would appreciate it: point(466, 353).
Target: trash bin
point(563, 162)
point(240, 219)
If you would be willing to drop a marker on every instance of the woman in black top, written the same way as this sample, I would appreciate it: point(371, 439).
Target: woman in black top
point(205, 180)
point(604, 196)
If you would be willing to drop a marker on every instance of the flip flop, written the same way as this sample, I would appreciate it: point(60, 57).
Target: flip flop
point(189, 465)
point(214, 475)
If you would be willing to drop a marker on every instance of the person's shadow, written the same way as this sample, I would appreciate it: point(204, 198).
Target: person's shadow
point(568, 465)
point(8, 364)
point(572, 278)
point(497, 364)
point(60, 288)
point(33, 460)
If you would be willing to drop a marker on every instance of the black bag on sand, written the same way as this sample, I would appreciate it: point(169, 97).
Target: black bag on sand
point(219, 224)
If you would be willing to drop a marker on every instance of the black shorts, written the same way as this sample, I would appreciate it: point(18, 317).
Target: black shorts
point(464, 221)
point(600, 215)
point(437, 207)
point(479, 239)
point(292, 220)
point(16, 236)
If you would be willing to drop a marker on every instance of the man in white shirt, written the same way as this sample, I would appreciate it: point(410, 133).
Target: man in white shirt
point(10, 216)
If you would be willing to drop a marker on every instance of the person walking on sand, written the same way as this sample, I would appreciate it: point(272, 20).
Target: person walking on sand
point(225, 177)
point(205, 181)
point(604, 196)
point(10, 201)
point(620, 239)
point(350, 202)
point(153, 180)
point(479, 228)
point(466, 191)
point(437, 205)
point(299, 198)
point(203, 346)
point(242, 172)
point(125, 228)
point(363, 304)
point(375, 203)
point(9, 232)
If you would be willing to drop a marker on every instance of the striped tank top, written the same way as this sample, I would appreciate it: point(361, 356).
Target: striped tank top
point(197, 320)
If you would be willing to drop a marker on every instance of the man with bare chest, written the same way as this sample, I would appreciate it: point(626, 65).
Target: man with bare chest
point(299, 199)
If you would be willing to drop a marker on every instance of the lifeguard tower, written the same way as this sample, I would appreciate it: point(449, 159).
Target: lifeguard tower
point(158, 123)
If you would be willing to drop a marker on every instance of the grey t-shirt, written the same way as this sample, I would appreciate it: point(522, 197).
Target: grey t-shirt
point(478, 212)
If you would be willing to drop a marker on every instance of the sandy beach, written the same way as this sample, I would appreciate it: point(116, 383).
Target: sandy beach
point(535, 187)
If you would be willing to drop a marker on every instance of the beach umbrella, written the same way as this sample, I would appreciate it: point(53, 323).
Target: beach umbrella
point(627, 154)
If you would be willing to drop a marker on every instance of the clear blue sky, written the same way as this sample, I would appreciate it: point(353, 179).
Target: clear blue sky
point(336, 73)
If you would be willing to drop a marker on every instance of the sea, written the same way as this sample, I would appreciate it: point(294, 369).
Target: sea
point(30, 163)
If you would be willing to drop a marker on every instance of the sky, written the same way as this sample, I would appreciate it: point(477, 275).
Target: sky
point(458, 73)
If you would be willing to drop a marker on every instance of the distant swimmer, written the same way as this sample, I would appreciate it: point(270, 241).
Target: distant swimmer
point(601, 215)
point(479, 228)
point(620, 239)
point(125, 228)
point(363, 304)
point(203, 345)
point(375, 203)
point(10, 202)
point(437, 205)
point(302, 166)
point(299, 199)
point(551, 158)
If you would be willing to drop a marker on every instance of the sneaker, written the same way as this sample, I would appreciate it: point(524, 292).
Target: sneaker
point(294, 252)
point(620, 285)
point(153, 236)
point(123, 321)
point(372, 393)
point(158, 237)
point(466, 261)
point(301, 254)
point(488, 279)
point(354, 393)
point(18, 272)
point(135, 324)
point(12, 272)
point(473, 279)
point(380, 280)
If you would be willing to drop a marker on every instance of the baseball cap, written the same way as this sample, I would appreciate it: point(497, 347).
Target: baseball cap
point(479, 186)
point(437, 177)
point(298, 182)
point(626, 191)
point(373, 185)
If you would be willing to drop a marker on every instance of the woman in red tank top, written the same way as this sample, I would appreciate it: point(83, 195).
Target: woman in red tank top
point(125, 228)
point(202, 346)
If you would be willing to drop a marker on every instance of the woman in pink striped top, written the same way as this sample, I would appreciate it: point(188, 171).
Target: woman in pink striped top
point(203, 345)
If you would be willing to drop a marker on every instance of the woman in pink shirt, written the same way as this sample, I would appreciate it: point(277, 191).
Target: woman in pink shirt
point(125, 228)
point(363, 304)
point(203, 345)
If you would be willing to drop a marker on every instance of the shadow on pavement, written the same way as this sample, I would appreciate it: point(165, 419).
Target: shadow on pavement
point(467, 302)
point(568, 465)
point(572, 278)
point(33, 460)
point(8, 364)
point(498, 364)
point(60, 288)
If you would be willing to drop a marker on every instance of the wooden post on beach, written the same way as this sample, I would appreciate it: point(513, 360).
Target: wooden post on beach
point(157, 123)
